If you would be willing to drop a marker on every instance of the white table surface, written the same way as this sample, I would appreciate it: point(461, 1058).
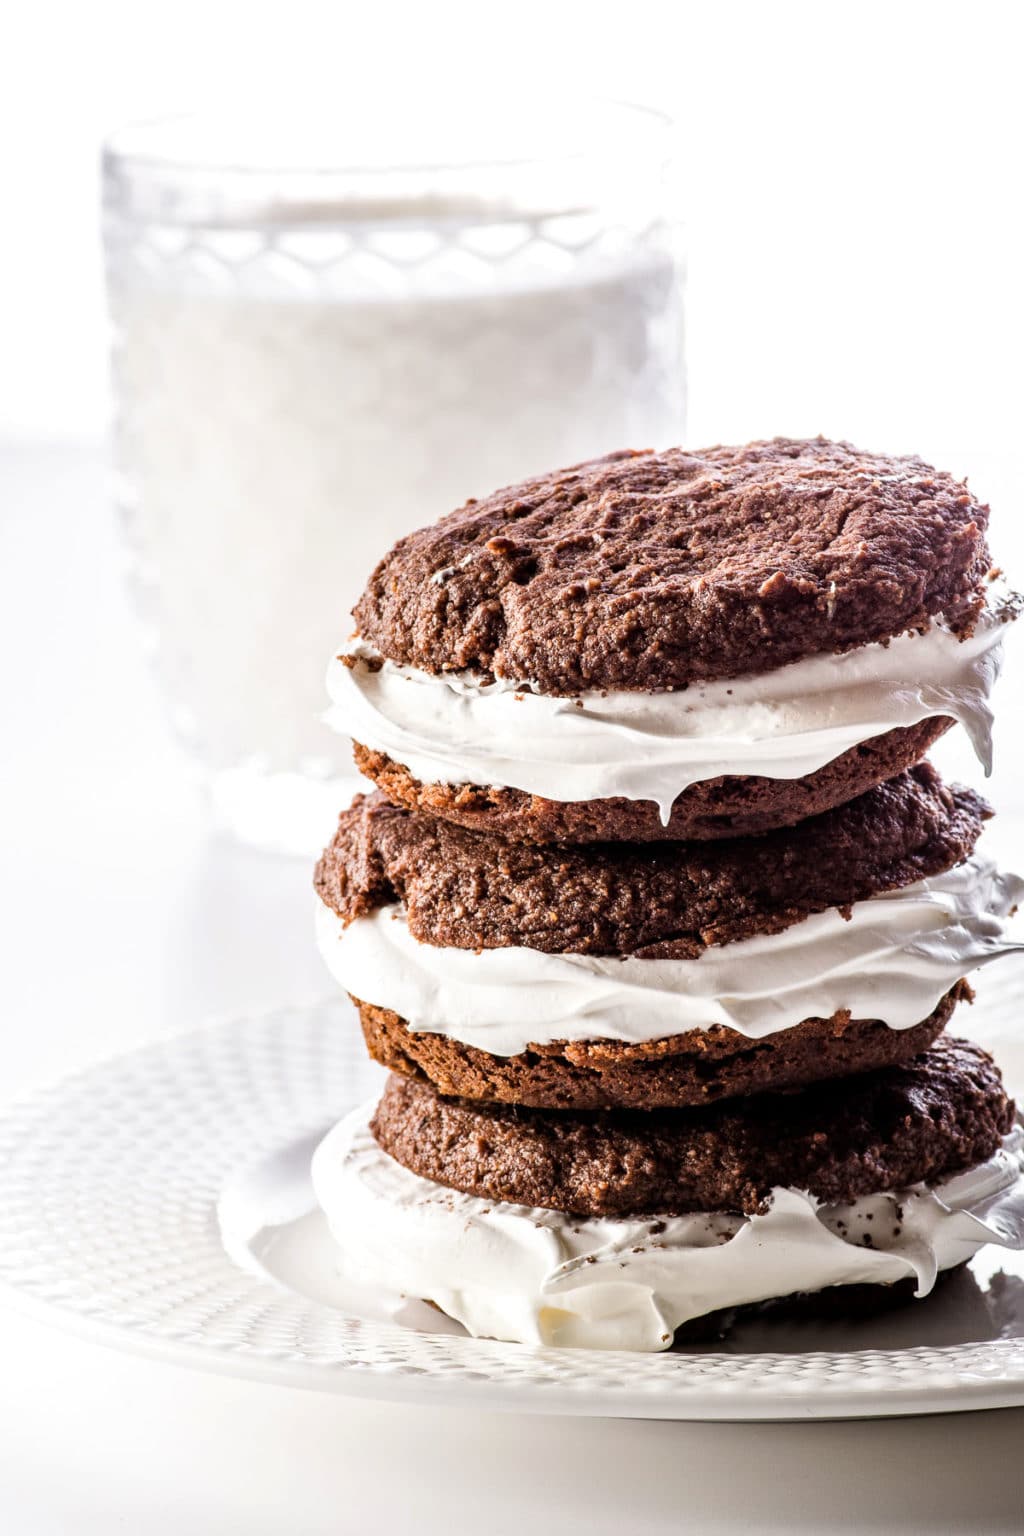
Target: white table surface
point(122, 919)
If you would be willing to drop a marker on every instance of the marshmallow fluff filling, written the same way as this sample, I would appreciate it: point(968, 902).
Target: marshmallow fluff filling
point(456, 728)
point(542, 1277)
point(892, 958)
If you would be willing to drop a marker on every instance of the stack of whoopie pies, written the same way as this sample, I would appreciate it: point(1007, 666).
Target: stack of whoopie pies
point(658, 915)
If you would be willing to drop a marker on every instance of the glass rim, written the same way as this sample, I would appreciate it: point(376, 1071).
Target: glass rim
point(209, 167)
point(127, 145)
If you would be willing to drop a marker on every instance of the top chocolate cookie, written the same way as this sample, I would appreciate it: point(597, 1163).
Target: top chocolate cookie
point(649, 570)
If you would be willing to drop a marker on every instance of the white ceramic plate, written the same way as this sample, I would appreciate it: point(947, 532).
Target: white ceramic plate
point(161, 1203)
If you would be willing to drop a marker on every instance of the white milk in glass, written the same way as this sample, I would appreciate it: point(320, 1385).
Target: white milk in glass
point(302, 377)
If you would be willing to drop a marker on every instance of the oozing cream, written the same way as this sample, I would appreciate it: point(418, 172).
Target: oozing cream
point(892, 959)
point(540, 1277)
point(453, 728)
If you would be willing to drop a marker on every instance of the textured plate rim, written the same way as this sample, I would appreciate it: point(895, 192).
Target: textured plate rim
point(272, 1069)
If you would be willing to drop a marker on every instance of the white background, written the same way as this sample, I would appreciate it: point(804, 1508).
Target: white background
point(852, 187)
point(852, 181)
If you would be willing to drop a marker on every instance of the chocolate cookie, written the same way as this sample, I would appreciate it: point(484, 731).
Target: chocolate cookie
point(654, 570)
point(473, 891)
point(683, 1070)
point(924, 1121)
point(735, 806)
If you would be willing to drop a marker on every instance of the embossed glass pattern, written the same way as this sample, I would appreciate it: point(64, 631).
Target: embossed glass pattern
point(311, 360)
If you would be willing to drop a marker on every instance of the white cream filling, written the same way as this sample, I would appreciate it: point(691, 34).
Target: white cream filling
point(893, 959)
point(540, 1277)
point(454, 729)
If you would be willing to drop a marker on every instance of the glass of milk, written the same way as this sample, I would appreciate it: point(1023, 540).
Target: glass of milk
point(329, 332)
